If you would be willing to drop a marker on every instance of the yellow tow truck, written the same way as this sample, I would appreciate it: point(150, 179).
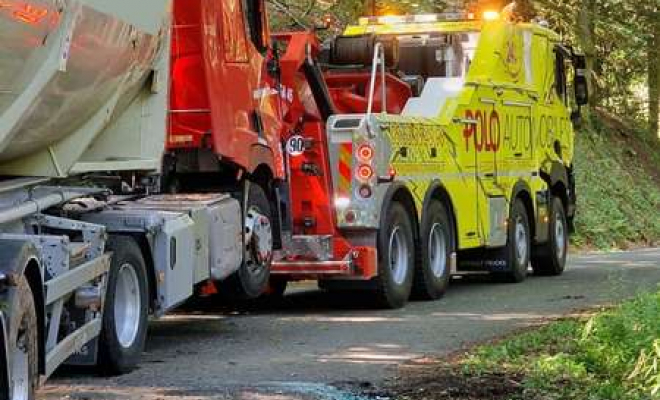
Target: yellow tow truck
point(450, 150)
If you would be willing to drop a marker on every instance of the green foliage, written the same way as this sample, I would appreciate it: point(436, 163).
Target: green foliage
point(614, 355)
point(618, 188)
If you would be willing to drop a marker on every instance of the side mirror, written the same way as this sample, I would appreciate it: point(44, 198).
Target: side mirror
point(581, 83)
point(576, 119)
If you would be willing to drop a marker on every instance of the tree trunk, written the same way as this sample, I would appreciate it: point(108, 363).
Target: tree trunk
point(654, 78)
point(585, 33)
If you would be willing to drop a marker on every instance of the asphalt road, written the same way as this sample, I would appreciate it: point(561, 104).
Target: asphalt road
point(312, 341)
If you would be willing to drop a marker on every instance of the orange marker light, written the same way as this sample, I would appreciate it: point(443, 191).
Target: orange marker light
point(391, 171)
point(365, 172)
point(365, 153)
point(491, 15)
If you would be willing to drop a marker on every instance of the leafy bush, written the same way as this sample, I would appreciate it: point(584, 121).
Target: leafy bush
point(618, 187)
point(614, 355)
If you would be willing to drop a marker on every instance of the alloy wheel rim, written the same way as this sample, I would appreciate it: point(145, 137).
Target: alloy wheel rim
point(127, 305)
point(521, 241)
point(437, 251)
point(20, 366)
point(398, 256)
point(560, 234)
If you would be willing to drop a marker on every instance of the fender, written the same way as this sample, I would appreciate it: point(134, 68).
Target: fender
point(537, 226)
point(395, 188)
point(437, 185)
point(261, 155)
point(4, 360)
point(558, 174)
point(16, 255)
point(521, 187)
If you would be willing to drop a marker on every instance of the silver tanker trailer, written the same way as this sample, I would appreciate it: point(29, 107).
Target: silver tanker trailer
point(83, 259)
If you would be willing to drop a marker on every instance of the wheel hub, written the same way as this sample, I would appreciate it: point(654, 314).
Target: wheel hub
point(560, 234)
point(398, 256)
point(521, 241)
point(20, 368)
point(127, 305)
point(437, 251)
point(259, 237)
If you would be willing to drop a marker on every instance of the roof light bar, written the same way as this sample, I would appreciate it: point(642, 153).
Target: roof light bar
point(413, 19)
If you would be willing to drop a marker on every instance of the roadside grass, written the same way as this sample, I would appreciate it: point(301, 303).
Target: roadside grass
point(618, 186)
point(611, 355)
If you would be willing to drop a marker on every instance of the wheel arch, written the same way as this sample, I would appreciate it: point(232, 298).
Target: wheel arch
point(558, 182)
point(523, 191)
point(21, 258)
point(261, 156)
point(437, 191)
point(399, 192)
point(264, 176)
point(145, 249)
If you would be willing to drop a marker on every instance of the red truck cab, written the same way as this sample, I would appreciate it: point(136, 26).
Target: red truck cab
point(223, 97)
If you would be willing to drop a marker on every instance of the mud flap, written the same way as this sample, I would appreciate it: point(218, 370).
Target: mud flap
point(87, 355)
point(4, 361)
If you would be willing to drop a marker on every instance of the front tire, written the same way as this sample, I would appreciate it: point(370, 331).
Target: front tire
point(276, 288)
point(251, 279)
point(396, 258)
point(549, 259)
point(517, 252)
point(126, 309)
point(23, 343)
point(438, 244)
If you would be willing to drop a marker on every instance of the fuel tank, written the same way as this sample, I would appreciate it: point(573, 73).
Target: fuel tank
point(73, 68)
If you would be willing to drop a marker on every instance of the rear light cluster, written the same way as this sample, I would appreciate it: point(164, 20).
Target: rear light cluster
point(365, 170)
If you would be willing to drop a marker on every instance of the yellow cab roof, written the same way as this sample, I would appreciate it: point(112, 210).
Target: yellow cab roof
point(424, 24)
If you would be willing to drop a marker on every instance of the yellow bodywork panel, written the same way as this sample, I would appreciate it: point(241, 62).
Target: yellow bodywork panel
point(504, 128)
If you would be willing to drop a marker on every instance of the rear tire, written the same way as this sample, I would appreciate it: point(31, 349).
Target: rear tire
point(126, 309)
point(251, 279)
point(276, 288)
point(438, 244)
point(549, 259)
point(516, 254)
point(396, 258)
point(23, 343)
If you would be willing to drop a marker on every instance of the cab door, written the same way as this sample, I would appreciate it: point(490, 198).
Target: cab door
point(233, 69)
point(492, 203)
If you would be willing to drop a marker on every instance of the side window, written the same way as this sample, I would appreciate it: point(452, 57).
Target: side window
point(257, 23)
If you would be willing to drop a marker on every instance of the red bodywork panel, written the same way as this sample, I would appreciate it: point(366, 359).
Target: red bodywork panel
point(350, 92)
point(222, 97)
point(310, 177)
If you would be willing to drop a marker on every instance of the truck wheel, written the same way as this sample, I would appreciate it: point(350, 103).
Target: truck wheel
point(549, 259)
point(438, 244)
point(517, 252)
point(126, 308)
point(23, 343)
point(396, 258)
point(251, 279)
point(276, 288)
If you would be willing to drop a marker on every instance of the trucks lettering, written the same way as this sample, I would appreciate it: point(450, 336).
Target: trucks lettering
point(485, 132)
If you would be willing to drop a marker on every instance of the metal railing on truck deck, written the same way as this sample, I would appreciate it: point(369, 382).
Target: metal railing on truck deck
point(378, 60)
